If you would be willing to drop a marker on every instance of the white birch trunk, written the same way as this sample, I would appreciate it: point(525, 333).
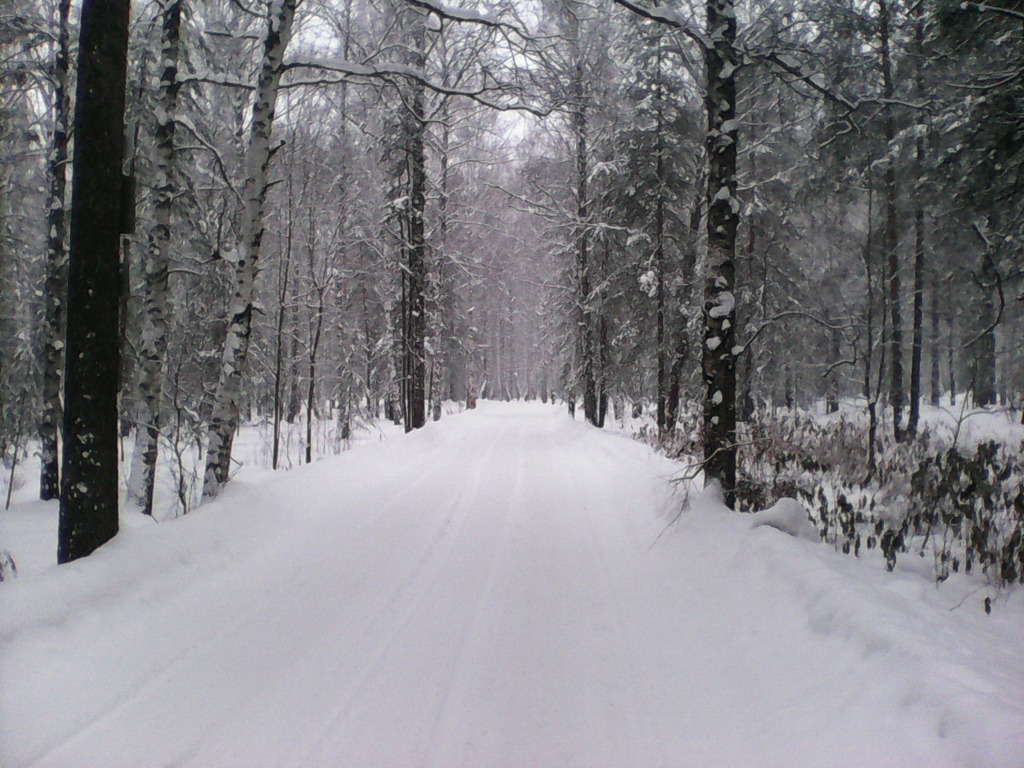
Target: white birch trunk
point(142, 478)
point(224, 419)
point(56, 266)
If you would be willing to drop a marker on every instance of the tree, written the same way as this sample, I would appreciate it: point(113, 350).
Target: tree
point(890, 235)
point(89, 488)
point(55, 288)
point(721, 60)
point(414, 309)
point(224, 419)
point(153, 344)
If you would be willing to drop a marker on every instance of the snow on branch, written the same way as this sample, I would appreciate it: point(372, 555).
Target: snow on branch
point(986, 8)
point(458, 15)
point(343, 70)
point(667, 16)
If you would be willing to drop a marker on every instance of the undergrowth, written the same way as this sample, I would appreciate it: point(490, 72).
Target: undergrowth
point(961, 507)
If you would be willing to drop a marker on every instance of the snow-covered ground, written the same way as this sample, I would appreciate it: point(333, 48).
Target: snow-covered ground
point(503, 588)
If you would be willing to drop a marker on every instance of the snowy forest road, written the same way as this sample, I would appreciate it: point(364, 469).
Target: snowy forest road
point(493, 591)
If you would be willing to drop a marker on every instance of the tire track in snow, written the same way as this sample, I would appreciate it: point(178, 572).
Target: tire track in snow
point(636, 715)
point(238, 616)
point(406, 598)
point(451, 701)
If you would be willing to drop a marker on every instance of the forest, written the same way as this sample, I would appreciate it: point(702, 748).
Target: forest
point(648, 376)
point(307, 215)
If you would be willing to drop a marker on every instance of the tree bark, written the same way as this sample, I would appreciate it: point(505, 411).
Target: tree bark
point(142, 481)
point(951, 342)
point(585, 335)
point(89, 487)
point(869, 341)
point(284, 273)
point(659, 257)
point(718, 361)
point(316, 331)
point(416, 328)
point(936, 383)
point(919, 256)
point(891, 232)
point(224, 419)
point(56, 266)
point(918, 333)
point(675, 381)
point(984, 347)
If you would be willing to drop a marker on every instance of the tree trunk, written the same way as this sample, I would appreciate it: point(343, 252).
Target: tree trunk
point(224, 420)
point(415, 342)
point(891, 233)
point(284, 273)
point(951, 353)
point(89, 488)
point(984, 347)
point(56, 266)
point(719, 363)
point(918, 338)
point(918, 330)
point(311, 388)
point(936, 350)
point(585, 343)
point(659, 257)
point(315, 332)
point(443, 373)
point(142, 481)
point(675, 381)
point(832, 395)
point(602, 400)
point(869, 342)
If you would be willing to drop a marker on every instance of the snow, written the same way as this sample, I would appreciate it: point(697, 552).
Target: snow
point(790, 517)
point(506, 587)
point(725, 304)
point(465, 15)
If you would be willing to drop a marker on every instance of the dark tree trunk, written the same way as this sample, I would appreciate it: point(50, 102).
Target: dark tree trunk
point(869, 340)
point(984, 347)
point(284, 272)
point(585, 371)
point(951, 363)
point(918, 338)
point(675, 381)
point(719, 364)
point(415, 363)
point(917, 347)
point(295, 378)
point(832, 395)
point(659, 256)
point(56, 266)
point(89, 489)
point(891, 234)
point(602, 399)
point(936, 349)
point(311, 384)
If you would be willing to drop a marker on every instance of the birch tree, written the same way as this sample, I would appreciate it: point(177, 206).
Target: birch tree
point(224, 419)
point(142, 480)
point(55, 286)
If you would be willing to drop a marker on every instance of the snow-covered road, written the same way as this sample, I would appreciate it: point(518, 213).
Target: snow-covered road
point(494, 591)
